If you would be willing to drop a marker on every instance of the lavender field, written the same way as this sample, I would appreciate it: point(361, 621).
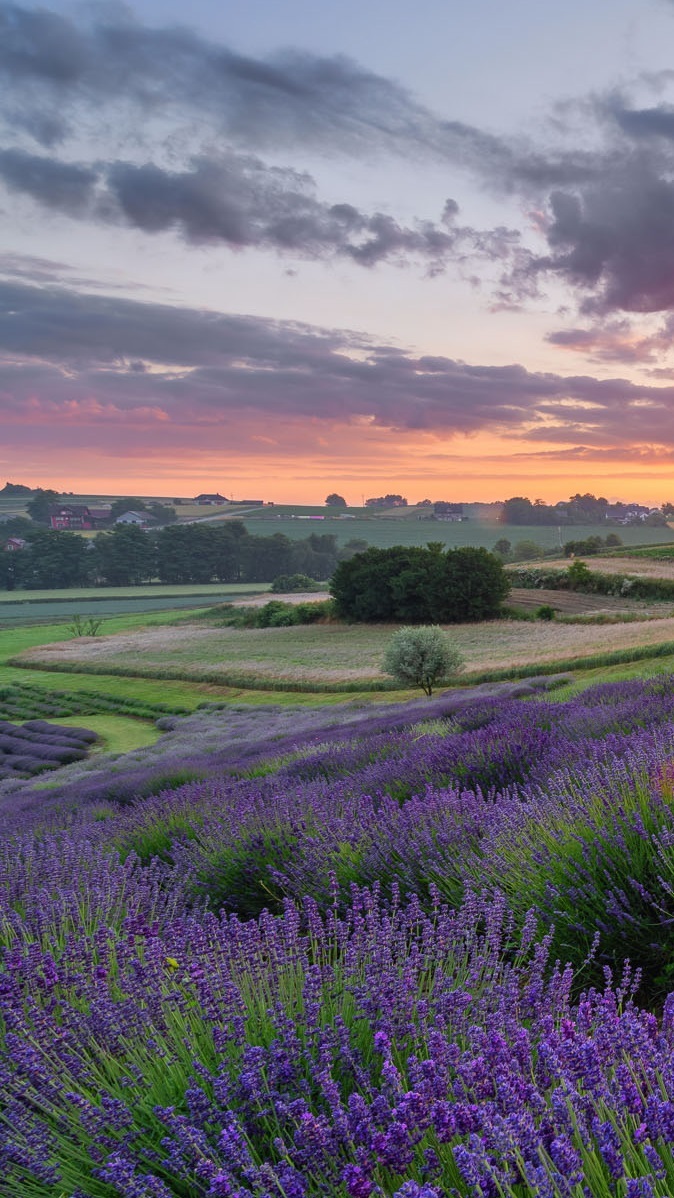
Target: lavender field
point(394, 951)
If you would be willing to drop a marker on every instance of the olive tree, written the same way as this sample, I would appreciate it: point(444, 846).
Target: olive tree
point(421, 656)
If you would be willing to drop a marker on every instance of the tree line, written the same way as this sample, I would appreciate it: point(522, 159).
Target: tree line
point(182, 553)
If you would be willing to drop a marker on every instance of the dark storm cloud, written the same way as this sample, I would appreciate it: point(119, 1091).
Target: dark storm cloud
point(64, 348)
point(614, 239)
point(177, 123)
point(287, 98)
point(63, 185)
point(290, 99)
point(238, 200)
point(241, 201)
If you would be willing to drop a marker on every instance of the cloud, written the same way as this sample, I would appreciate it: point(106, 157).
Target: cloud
point(288, 98)
point(203, 370)
point(62, 185)
point(238, 200)
point(166, 130)
point(616, 341)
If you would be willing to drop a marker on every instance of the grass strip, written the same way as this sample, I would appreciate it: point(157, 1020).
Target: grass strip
point(252, 682)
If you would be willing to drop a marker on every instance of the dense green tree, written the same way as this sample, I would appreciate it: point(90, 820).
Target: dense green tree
point(475, 586)
point(420, 585)
point(54, 559)
point(386, 501)
point(18, 526)
point(126, 556)
point(39, 505)
point(163, 513)
point(316, 556)
point(587, 509)
point(588, 548)
point(265, 557)
point(527, 551)
point(126, 504)
point(517, 510)
point(230, 540)
point(352, 546)
point(187, 553)
point(335, 500)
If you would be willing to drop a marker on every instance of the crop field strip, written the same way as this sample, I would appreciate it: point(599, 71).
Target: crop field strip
point(333, 652)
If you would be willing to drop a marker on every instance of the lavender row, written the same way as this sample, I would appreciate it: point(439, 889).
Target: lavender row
point(388, 1052)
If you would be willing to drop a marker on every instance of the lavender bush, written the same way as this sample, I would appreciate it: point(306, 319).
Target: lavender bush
point(324, 955)
point(30, 748)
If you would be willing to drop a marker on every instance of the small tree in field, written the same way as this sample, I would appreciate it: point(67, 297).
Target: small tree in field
point(422, 657)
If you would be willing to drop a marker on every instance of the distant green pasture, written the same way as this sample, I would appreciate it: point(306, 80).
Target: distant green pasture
point(384, 531)
point(211, 590)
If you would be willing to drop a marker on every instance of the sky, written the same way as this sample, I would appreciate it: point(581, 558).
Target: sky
point(282, 248)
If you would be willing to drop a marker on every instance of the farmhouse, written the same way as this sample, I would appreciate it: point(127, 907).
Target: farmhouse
point(70, 516)
point(206, 500)
point(448, 511)
point(139, 518)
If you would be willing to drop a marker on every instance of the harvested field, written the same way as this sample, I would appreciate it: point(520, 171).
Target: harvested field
point(333, 652)
point(636, 567)
point(575, 603)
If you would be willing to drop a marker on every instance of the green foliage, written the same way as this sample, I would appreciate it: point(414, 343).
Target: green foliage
point(524, 551)
point(503, 547)
point(21, 701)
point(421, 586)
point(39, 505)
point(386, 501)
point(84, 627)
point(422, 657)
point(351, 547)
point(545, 612)
point(286, 584)
point(125, 556)
point(275, 614)
point(129, 503)
point(335, 500)
point(53, 559)
point(598, 870)
point(579, 576)
point(587, 548)
point(240, 876)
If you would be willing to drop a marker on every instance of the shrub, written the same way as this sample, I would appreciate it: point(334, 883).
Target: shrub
point(275, 614)
point(421, 657)
point(84, 627)
point(525, 551)
point(289, 583)
point(545, 612)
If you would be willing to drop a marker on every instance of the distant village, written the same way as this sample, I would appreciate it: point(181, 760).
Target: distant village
point(66, 513)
